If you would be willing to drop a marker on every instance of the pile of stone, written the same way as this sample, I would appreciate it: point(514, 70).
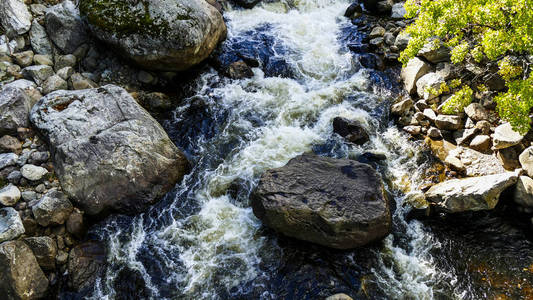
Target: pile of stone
point(473, 143)
point(73, 149)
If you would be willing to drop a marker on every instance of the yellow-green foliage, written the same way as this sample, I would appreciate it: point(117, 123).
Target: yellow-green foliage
point(483, 30)
point(458, 101)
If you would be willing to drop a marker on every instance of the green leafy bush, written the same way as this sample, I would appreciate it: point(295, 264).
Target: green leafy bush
point(483, 30)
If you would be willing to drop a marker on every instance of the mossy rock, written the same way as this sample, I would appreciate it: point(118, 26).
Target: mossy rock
point(164, 35)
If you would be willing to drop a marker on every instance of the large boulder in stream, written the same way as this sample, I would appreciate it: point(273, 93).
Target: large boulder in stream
point(108, 152)
point(165, 35)
point(337, 203)
point(470, 194)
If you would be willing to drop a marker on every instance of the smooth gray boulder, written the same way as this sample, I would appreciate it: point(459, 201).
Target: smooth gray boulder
point(10, 224)
point(65, 27)
point(165, 35)
point(337, 203)
point(109, 153)
point(33, 172)
point(470, 194)
point(15, 17)
point(54, 208)
point(20, 274)
point(15, 106)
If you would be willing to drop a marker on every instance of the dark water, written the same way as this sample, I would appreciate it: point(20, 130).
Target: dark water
point(202, 241)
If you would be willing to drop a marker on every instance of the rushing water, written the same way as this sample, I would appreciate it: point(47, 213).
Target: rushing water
point(202, 240)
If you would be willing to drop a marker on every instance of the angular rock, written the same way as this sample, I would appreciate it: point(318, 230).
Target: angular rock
point(63, 61)
point(429, 81)
point(54, 208)
point(45, 250)
point(39, 39)
point(20, 275)
point(352, 131)
point(377, 31)
point(108, 152)
point(10, 144)
point(79, 82)
point(10, 224)
point(15, 106)
point(8, 159)
point(434, 133)
point(465, 136)
point(448, 122)
point(15, 17)
point(481, 143)
point(54, 83)
point(178, 35)
point(65, 27)
point(412, 72)
point(523, 193)
point(401, 42)
point(505, 137)
point(508, 157)
point(38, 73)
point(412, 130)
point(470, 194)
point(476, 112)
point(398, 11)
point(86, 262)
point(24, 58)
point(28, 87)
point(435, 54)
point(32, 172)
point(402, 107)
point(75, 224)
point(336, 203)
point(9, 195)
point(526, 161)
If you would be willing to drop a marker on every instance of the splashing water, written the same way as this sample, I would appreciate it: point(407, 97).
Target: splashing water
point(202, 242)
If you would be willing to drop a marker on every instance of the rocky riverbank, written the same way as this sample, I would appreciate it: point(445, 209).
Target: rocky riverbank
point(474, 143)
point(73, 149)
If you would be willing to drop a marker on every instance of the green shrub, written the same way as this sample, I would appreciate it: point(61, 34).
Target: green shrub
point(483, 30)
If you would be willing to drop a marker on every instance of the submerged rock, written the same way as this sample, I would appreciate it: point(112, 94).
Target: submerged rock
point(109, 153)
point(352, 131)
point(470, 194)
point(20, 274)
point(336, 203)
point(166, 35)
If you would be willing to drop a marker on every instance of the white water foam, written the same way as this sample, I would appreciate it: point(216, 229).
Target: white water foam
point(219, 246)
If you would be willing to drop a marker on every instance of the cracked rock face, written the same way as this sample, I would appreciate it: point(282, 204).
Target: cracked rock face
point(166, 35)
point(337, 203)
point(109, 153)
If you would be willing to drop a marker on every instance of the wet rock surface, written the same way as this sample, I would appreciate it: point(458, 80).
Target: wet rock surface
point(331, 202)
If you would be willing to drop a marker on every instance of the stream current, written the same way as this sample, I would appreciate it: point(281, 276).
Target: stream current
point(202, 240)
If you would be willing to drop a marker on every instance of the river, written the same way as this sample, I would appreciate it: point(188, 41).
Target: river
point(202, 240)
